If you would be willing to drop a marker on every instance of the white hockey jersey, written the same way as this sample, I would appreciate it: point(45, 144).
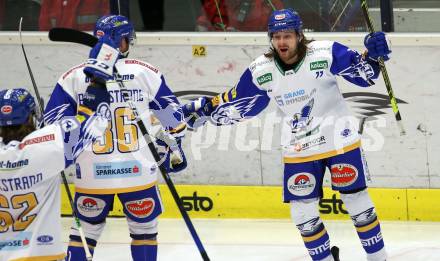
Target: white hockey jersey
point(30, 224)
point(317, 122)
point(121, 161)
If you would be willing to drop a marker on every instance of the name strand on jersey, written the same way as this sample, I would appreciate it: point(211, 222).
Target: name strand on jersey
point(20, 183)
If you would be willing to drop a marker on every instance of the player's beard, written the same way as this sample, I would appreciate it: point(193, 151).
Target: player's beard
point(288, 55)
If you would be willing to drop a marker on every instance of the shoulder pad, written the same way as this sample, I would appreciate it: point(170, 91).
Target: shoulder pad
point(72, 70)
point(319, 47)
point(260, 63)
point(263, 71)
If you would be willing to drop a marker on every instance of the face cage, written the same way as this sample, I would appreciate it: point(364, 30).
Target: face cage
point(133, 39)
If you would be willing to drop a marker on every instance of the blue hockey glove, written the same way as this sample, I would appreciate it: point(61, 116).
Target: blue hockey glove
point(102, 59)
point(198, 112)
point(171, 153)
point(96, 93)
point(377, 46)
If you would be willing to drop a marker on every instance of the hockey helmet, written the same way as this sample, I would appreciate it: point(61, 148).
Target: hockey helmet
point(117, 26)
point(284, 20)
point(16, 105)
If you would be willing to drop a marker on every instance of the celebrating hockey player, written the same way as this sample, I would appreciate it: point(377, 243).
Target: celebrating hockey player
point(318, 131)
point(121, 163)
point(31, 161)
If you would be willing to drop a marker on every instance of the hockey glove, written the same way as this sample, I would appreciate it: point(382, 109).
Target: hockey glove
point(171, 153)
point(377, 46)
point(95, 95)
point(198, 112)
point(102, 59)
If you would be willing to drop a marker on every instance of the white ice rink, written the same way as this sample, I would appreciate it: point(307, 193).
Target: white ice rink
point(257, 240)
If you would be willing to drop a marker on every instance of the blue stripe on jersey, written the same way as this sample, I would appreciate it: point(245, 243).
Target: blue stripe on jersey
point(60, 104)
point(352, 66)
point(246, 98)
point(166, 107)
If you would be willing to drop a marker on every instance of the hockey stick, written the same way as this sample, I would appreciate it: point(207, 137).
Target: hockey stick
point(383, 69)
point(163, 171)
point(59, 34)
point(63, 175)
point(74, 36)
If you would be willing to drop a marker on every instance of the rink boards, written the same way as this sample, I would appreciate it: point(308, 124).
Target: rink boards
point(262, 202)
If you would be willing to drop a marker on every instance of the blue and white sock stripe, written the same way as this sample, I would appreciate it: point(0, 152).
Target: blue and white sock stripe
point(371, 237)
point(318, 244)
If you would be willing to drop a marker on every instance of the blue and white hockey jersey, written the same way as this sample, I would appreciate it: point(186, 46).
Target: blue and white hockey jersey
point(30, 199)
point(317, 122)
point(121, 161)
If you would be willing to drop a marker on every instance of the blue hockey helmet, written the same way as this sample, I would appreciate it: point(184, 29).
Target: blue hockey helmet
point(117, 26)
point(16, 105)
point(284, 20)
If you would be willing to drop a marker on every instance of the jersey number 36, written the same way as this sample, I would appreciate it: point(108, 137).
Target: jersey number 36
point(126, 134)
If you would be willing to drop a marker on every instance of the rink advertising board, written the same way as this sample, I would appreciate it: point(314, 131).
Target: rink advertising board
point(260, 202)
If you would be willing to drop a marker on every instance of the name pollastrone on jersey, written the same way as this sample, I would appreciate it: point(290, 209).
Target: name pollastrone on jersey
point(135, 95)
point(20, 183)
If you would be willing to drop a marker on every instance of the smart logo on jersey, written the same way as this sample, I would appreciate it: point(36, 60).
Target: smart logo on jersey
point(301, 184)
point(343, 175)
point(20, 241)
point(319, 65)
point(264, 78)
point(141, 208)
point(90, 207)
point(124, 169)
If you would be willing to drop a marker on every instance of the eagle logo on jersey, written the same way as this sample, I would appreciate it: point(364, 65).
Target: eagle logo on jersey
point(55, 114)
point(172, 108)
point(360, 69)
point(301, 120)
point(234, 111)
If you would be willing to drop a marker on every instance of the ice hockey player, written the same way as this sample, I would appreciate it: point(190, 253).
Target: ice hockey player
point(31, 161)
point(318, 131)
point(121, 163)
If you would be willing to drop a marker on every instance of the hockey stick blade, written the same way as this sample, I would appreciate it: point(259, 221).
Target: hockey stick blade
point(59, 34)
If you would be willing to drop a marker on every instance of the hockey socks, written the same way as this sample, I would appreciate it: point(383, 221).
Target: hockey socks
point(75, 251)
point(363, 215)
point(371, 240)
point(317, 243)
point(144, 247)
